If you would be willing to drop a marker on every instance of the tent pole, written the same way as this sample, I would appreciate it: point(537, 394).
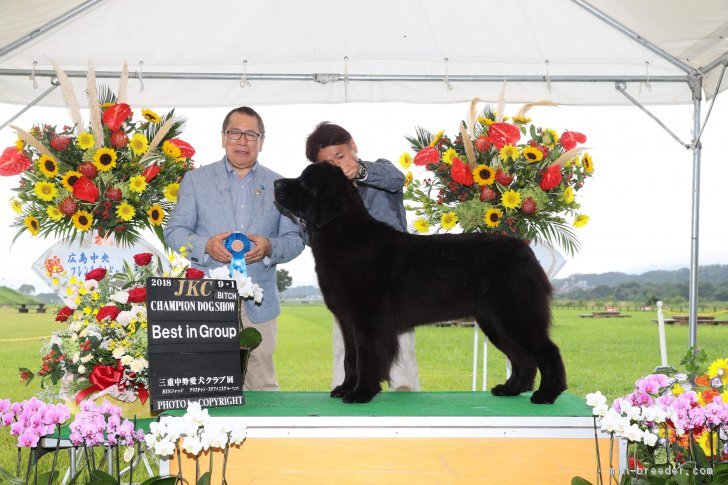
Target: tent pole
point(696, 87)
point(48, 91)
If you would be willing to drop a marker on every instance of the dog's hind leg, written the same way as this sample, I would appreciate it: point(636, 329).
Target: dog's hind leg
point(553, 374)
point(374, 357)
point(350, 374)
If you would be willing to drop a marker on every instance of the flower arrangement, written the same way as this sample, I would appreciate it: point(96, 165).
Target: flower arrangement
point(676, 424)
point(497, 176)
point(103, 350)
point(116, 176)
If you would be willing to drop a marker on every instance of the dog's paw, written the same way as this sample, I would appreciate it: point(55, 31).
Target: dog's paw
point(339, 391)
point(543, 397)
point(504, 390)
point(359, 396)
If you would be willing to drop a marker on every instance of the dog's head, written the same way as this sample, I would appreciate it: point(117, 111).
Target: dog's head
point(319, 195)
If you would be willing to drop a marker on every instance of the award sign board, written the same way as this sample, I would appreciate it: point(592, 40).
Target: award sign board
point(194, 343)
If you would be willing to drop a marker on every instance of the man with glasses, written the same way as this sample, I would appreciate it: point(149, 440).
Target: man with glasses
point(236, 194)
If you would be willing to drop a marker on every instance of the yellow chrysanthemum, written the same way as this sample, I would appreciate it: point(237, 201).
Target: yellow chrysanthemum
point(82, 220)
point(19, 144)
point(105, 159)
point(438, 135)
point(550, 137)
point(106, 105)
point(405, 160)
point(719, 368)
point(16, 205)
point(493, 217)
point(568, 195)
point(45, 191)
point(151, 116)
point(421, 225)
point(408, 178)
point(521, 120)
point(448, 220)
point(581, 220)
point(156, 214)
point(587, 163)
point(483, 120)
point(48, 165)
point(139, 143)
point(509, 152)
point(171, 191)
point(137, 184)
point(54, 213)
point(511, 199)
point(85, 140)
point(532, 154)
point(69, 178)
point(484, 175)
point(125, 211)
point(32, 224)
point(488, 121)
point(448, 155)
point(171, 150)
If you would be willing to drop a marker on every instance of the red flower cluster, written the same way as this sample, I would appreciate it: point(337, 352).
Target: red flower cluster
point(142, 259)
point(137, 295)
point(97, 274)
point(110, 311)
point(194, 274)
point(64, 314)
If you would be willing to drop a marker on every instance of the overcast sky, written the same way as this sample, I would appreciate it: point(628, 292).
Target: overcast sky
point(639, 200)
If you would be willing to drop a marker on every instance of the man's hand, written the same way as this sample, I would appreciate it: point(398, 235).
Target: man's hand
point(215, 247)
point(348, 164)
point(260, 250)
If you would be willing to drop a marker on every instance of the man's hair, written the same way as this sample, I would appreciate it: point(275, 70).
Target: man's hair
point(325, 135)
point(246, 111)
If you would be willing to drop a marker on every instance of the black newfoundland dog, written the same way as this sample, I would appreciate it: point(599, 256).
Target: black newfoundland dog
point(379, 282)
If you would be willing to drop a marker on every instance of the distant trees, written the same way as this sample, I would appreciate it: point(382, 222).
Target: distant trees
point(283, 280)
point(649, 293)
point(26, 289)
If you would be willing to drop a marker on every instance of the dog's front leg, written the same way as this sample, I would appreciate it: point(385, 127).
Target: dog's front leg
point(369, 368)
point(349, 382)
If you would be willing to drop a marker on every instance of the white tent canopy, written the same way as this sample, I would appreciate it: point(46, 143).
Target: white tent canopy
point(191, 53)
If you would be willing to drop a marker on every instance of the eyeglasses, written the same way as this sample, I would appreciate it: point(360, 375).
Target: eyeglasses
point(235, 135)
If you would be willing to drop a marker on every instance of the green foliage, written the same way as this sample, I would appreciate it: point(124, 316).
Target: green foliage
point(283, 280)
point(250, 338)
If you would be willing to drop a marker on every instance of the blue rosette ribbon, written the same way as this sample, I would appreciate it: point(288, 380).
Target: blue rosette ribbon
point(238, 244)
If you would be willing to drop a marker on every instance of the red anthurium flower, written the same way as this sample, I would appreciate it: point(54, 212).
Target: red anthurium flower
point(115, 115)
point(194, 274)
point(13, 161)
point(63, 314)
point(185, 149)
point(142, 259)
point(110, 311)
point(502, 134)
point(151, 171)
point(461, 173)
point(96, 274)
point(551, 177)
point(137, 295)
point(569, 139)
point(427, 156)
point(84, 189)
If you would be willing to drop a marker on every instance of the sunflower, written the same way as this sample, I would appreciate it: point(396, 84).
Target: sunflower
point(69, 178)
point(437, 138)
point(171, 150)
point(405, 160)
point(408, 178)
point(54, 213)
point(45, 191)
point(105, 159)
point(137, 184)
point(421, 225)
point(509, 152)
point(581, 220)
point(449, 154)
point(151, 116)
point(20, 144)
point(48, 165)
point(511, 199)
point(32, 224)
point(719, 368)
point(16, 205)
point(522, 120)
point(550, 137)
point(82, 220)
point(492, 217)
point(156, 214)
point(170, 192)
point(532, 154)
point(483, 175)
point(587, 163)
point(85, 140)
point(139, 144)
point(125, 211)
point(448, 220)
point(568, 195)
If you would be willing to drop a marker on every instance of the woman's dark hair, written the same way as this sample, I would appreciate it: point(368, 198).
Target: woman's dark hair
point(325, 135)
point(246, 111)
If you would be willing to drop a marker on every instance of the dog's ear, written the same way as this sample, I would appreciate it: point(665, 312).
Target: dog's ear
point(326, 208)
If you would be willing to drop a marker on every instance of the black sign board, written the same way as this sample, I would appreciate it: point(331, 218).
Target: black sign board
point(194, 345)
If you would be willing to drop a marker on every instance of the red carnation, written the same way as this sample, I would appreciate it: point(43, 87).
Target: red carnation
point(115, 115)
point(13, 161)
point(84, 189)
point(142, 259)
point(502, 134)
point(150, 172)
point(427, 156)
point(569, 139)
point(185, 149)
point(63, 314)
point(137, 295)
point(551, 177)
point(108, 311)
point(194, 274)
point(96, 274)
point(461, 173)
